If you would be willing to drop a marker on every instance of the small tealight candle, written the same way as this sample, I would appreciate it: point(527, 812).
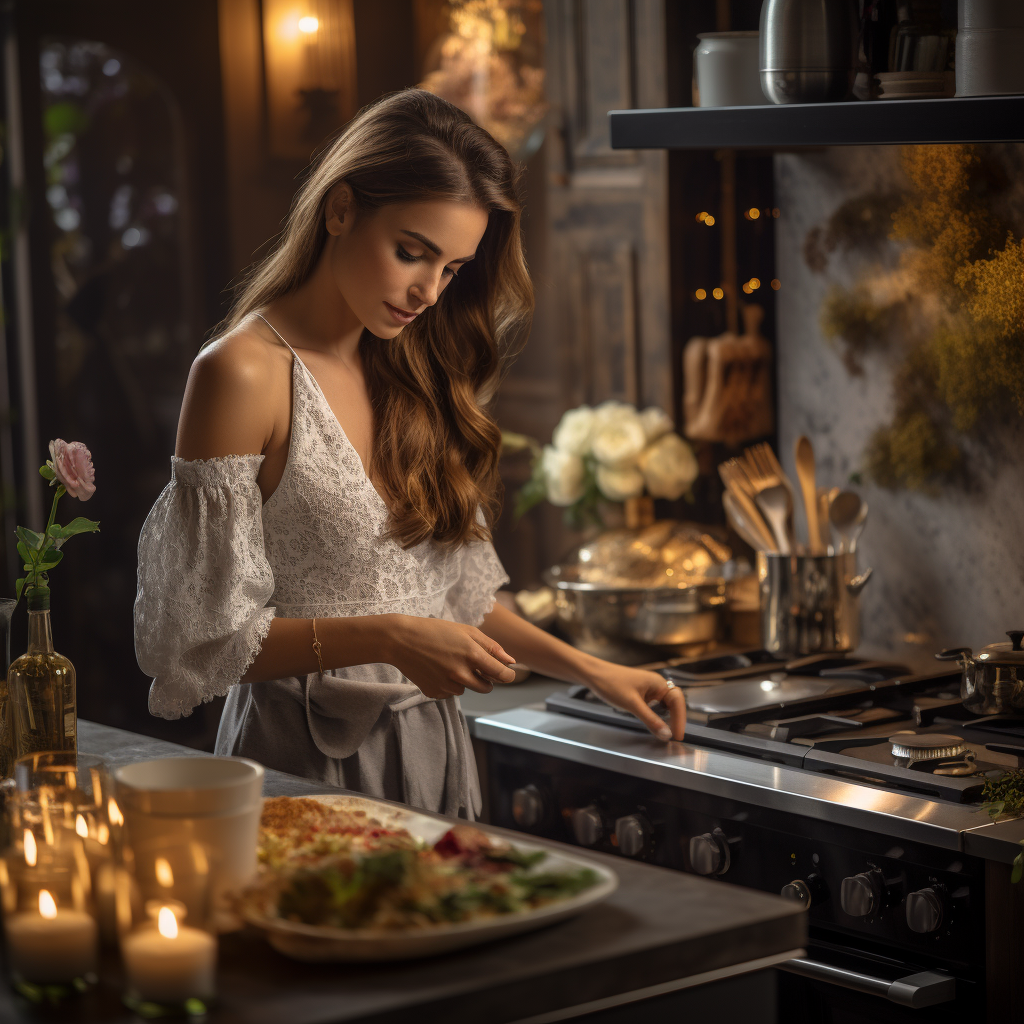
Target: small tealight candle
point(170, 963)
point(54, 945)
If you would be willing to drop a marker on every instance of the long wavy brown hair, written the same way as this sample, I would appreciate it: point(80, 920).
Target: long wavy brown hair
point(435, 447)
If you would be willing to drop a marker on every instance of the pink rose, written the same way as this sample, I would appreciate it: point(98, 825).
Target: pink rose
point(72, 463)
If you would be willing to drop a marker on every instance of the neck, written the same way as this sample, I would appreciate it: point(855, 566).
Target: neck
point(316, 316)
point(40, 635)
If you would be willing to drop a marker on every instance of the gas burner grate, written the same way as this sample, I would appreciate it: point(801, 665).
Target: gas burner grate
point(927, 746)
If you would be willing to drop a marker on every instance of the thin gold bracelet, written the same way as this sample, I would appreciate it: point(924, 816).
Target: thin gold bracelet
point(317, 647)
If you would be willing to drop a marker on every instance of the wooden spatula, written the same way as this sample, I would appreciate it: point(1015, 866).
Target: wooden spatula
point(805, 474)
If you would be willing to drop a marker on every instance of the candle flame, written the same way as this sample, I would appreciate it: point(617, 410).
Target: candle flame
point(164, 874)
point(81, 827)
point(166, 923)
point(103, 834)
point(46, 905)
point(114, 813)
point(30, 849)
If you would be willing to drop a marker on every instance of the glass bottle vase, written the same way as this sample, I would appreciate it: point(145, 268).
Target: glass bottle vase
point(43, 708)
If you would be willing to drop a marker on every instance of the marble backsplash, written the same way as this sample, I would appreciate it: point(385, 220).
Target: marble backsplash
point(949, 568)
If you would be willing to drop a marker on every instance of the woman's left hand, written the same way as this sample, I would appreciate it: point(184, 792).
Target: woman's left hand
point(632, 689)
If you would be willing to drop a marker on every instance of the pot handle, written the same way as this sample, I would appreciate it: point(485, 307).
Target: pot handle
point(857, 584)
point(954, 654)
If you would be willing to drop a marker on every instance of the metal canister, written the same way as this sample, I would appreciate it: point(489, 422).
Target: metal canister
point(809, 603)
point(808, 50)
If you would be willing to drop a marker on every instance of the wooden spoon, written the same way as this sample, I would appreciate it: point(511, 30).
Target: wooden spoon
point(805, 473)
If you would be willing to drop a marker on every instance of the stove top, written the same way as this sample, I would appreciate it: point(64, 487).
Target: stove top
point(863, 720)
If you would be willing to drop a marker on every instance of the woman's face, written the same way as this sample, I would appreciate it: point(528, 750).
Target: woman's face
point(392, 263)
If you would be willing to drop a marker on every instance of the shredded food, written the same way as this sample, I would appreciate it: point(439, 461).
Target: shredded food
point(340, 867)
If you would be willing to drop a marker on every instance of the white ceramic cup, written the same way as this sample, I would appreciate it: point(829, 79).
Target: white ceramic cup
point(727, 70)
point(216, 801)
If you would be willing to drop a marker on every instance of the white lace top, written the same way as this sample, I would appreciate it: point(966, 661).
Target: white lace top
point(216, 565)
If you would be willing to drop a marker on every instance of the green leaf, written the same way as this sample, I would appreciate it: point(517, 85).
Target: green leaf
point(54, 530)
point(1018, 868)
point(77, 526)
point(18, 587)
point(30, 537)
point(49, 560)
point(25, 551)
point(46, 472)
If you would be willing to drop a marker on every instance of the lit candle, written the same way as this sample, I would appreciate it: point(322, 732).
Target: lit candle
point(53, 945)
point(170, 963)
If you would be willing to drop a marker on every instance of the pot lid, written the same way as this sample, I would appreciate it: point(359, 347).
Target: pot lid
point(667, 554)
point(1004, 652)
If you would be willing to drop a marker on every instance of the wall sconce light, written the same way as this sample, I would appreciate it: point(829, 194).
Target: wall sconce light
point(309, 64)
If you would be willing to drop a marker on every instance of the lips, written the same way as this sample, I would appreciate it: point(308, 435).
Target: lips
point(402, 316)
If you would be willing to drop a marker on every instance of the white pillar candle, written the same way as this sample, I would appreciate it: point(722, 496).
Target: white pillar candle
point(170, 963)
point(54, 945)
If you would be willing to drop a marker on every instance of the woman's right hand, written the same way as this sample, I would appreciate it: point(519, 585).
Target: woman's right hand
point(446, 658)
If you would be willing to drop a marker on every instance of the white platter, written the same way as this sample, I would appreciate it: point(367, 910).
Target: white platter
point(316, 943)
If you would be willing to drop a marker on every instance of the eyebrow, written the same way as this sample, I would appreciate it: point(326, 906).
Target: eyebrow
point(433, 246)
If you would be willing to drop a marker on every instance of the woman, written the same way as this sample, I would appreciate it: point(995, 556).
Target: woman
point(322, 554)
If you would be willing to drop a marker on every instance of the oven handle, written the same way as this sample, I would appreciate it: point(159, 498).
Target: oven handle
point(929, 988)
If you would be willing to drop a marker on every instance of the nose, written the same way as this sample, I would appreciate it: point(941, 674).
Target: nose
point(427, 289)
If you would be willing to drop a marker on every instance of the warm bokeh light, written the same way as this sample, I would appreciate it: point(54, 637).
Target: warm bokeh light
point(114, 813)
point(755, 283)
point(775, 211)
point(753, 213)
point(702, 216)
point(709, 221)
point(746, 288)
point(308, 25)
point(102, 834)
point(46, 905)
point(718, 293)
point(776, 284)
point(167, 923)
point(700, 295)
point(31, 854)
point(81, 827)
point(164, 874)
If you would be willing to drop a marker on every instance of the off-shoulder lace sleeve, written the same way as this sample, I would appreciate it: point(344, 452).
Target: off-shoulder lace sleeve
point(201, 611)
point(471, 597)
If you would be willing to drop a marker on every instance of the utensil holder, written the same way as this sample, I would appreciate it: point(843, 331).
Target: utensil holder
point(809, 603)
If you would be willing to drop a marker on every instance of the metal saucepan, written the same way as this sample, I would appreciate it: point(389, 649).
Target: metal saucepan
point(993, 679)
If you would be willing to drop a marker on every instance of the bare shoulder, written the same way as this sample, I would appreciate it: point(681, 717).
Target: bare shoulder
point(238, 388)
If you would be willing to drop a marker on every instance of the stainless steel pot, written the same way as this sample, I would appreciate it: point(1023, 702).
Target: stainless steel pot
point(809, 603)
point(808, 50)
point(993, 679)
point(617, 622)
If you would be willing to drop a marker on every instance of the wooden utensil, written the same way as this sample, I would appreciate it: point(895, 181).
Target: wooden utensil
point(738, 486)
point(772, 492)
point(805, 473)
point(738, 521)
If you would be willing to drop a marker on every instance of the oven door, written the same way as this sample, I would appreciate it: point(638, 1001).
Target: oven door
point(869, 989)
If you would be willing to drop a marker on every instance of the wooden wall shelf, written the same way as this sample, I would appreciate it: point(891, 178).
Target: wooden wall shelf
point(802, 125)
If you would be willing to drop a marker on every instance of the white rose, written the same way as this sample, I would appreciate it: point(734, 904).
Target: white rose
point(668, 466)
point(618, 484)
point(619, 442)
point(564, 476)
point(610, 412)
point(573, 432)
point(655, 422)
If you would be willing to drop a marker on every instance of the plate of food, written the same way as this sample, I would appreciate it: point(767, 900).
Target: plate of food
point(349, 878)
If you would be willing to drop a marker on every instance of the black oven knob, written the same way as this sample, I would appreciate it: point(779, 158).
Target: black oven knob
point(861, 895)
point(633, 835)
point(528, 806)
point(808, 891)
point(711, 853)
point(587, 825)
point(925, 910)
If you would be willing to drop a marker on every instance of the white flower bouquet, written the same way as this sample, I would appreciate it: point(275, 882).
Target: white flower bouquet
point(611, 452)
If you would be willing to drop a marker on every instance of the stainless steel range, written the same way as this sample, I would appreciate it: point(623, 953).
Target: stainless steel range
point(850, 785)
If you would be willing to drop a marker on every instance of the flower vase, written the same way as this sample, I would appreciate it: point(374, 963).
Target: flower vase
point(41, 694)
point(7, 606)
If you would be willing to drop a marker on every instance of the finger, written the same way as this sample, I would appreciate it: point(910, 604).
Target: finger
point(675, 701)
point(492, 647)
point(492, 668)
point(474, 682)
point(653, 722)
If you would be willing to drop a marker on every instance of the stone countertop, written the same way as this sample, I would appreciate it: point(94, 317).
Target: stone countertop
point(660, 926)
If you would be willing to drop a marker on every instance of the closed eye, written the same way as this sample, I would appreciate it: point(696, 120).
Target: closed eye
point(407, 257)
